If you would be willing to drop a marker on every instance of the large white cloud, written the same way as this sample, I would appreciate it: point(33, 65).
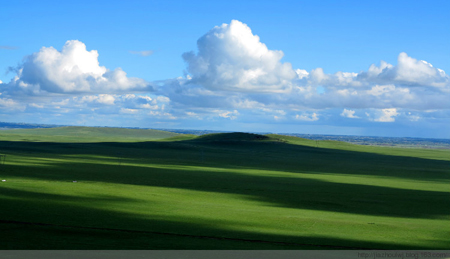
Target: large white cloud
point(71, 70)
point(231, 58)
point(233, 64)
point(408, 71)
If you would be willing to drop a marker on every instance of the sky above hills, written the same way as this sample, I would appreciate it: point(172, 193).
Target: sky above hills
point(321, 67)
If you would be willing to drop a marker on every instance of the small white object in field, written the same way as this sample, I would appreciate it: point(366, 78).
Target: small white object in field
point(74, 181)
point(3, 180)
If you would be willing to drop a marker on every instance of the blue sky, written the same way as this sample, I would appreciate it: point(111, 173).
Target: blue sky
point(326, 67)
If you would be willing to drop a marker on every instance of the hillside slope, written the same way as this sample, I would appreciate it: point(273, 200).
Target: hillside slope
point(84, 134)
point(226, 191)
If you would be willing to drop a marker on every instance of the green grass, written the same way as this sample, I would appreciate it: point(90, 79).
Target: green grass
point(221, 191)
point(84, 134)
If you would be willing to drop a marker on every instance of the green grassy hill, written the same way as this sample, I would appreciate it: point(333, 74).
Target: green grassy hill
point(221, 191)
point(236, 136)
point(84, 134)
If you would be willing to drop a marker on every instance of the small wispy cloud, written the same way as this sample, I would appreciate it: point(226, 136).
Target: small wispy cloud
point(8, 47)
point(143, 53)
point(307, 117)
point(349, 114)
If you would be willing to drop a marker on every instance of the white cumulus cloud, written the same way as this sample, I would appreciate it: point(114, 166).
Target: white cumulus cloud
point(74, 69)
point(231, 58)
point(233, 69)
point(408, 71)
point(349, 114)
point(378, 90)
point(387, 115)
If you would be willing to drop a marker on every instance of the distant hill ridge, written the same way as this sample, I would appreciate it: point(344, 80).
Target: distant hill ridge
point(86, 134)
point(142, 134)
point(234, 136)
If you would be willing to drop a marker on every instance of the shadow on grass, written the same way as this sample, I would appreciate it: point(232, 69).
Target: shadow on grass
point(50, 224)
point(298, 193)
point(135, 163)
point(263, 155)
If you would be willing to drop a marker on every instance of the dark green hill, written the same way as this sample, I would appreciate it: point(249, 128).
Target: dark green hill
point(235, 136)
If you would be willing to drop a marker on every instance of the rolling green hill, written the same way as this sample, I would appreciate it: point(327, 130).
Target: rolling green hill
point(219, 191)
point(84, 134)
point(235, 136)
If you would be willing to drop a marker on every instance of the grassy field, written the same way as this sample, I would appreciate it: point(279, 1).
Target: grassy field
point(84, 134)
point(136, 190)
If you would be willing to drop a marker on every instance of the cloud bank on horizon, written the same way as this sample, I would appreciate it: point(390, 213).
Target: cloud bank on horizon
point(232, 76)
